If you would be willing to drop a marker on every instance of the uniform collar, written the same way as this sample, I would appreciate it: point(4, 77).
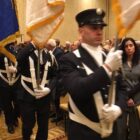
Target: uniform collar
point(95, 52)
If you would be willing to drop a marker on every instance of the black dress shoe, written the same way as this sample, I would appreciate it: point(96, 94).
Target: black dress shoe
point(11, 129)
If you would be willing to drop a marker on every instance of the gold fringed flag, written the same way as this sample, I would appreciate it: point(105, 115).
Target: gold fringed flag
point(127, 12)
point(43, 18)
point(8, 26)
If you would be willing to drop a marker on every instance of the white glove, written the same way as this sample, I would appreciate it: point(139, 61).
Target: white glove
point(114, 60)
point(110, 113)
point(12, 69)
point(43, 91)
point(106, 128)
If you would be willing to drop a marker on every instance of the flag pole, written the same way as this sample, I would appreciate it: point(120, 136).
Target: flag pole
point(112, 92)
point(38, 68)
point(107, 127)
point(112, 89)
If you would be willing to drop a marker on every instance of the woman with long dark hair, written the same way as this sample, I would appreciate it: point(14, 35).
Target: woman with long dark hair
point(129, 91)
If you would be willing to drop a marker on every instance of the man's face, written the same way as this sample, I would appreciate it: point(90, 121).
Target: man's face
point(48, 47)
point(91, 35)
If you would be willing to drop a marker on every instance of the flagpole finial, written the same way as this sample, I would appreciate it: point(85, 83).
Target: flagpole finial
point(99, 11)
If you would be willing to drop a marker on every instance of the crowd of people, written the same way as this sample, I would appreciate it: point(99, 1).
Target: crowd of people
point(30, 89)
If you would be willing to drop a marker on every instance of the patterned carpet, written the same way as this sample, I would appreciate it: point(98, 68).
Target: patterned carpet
point(55, 132)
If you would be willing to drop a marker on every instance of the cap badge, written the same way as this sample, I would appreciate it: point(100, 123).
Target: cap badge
point(99, 11)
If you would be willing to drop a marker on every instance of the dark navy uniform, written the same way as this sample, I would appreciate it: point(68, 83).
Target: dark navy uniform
point(81, 88)
point(30, 106)
point(86, 80)
point(9, 83)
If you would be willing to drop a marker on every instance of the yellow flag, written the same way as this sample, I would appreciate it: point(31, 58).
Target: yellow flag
point(43, 18)
point(127, 12)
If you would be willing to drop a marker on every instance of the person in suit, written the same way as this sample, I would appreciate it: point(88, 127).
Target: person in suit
point(75, 45)
point(54, 47)
point(9, 83)
point(67, 47)
point(37, 67)
point(129, 90)
point(86, 76)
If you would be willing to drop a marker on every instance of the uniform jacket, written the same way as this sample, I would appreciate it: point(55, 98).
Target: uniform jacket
point(58, 52)
point(2, 66)
point(24, 68)
point(81, 88)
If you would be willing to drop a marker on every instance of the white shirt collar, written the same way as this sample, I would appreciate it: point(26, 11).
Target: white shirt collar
point(53, 49)
point(95, 52)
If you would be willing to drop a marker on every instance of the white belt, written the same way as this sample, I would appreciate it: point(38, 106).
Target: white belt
point(98, 102)
point(25, 86)
point(32, 72)
point(3, 71)
point(6, 80)
point(77, 116)
point(27, 79)
point(85, 121)
point(44, 81)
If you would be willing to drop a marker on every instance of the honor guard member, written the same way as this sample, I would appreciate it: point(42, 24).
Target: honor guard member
point(36, 66)
point(9, 83)
point(85, 76)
